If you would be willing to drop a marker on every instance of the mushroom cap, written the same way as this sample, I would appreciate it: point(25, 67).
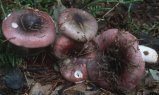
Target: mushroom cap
point(14, 29)
point(74, 70)
point(78, 24)
point(135, 66)
point(65, 47)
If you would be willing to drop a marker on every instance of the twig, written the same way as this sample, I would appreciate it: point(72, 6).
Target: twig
point(109, 11)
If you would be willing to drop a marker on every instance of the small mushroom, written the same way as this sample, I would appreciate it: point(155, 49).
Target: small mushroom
point(78, 24)
point(74, 70)
point(149, 55)
point(29, 28)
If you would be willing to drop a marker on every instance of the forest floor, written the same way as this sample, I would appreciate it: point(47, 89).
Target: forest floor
point(37, 71)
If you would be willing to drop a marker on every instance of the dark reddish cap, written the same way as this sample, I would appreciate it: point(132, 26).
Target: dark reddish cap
point(74, 69)
point(29, 28)
point(78, 24)
point(65, 47)
point(133, 66)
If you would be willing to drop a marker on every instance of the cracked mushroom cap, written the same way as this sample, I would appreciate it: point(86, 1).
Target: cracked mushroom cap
point(78, 24)
point(29, 28)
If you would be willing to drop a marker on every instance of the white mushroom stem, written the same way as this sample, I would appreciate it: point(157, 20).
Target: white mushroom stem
point(149, 55)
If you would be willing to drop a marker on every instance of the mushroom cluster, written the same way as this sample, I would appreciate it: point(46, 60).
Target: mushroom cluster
point(74, 47)
point(111, 59)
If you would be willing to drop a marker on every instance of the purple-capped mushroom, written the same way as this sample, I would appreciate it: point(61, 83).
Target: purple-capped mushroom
point(78, 24)
point(29, 28)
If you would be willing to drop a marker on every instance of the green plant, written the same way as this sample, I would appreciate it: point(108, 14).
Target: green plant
point(10, 60)
point(6, 57)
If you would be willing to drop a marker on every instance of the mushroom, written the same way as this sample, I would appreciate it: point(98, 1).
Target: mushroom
point(29, 28)
point(120, 66)
point(149, 55)
point(77, 24)
point(74, 70)
point(74, 57)
point(65, 47)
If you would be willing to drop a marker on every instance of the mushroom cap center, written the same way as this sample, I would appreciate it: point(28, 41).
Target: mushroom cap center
point(31, 22)
point(79, 20)
point(114, 59)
